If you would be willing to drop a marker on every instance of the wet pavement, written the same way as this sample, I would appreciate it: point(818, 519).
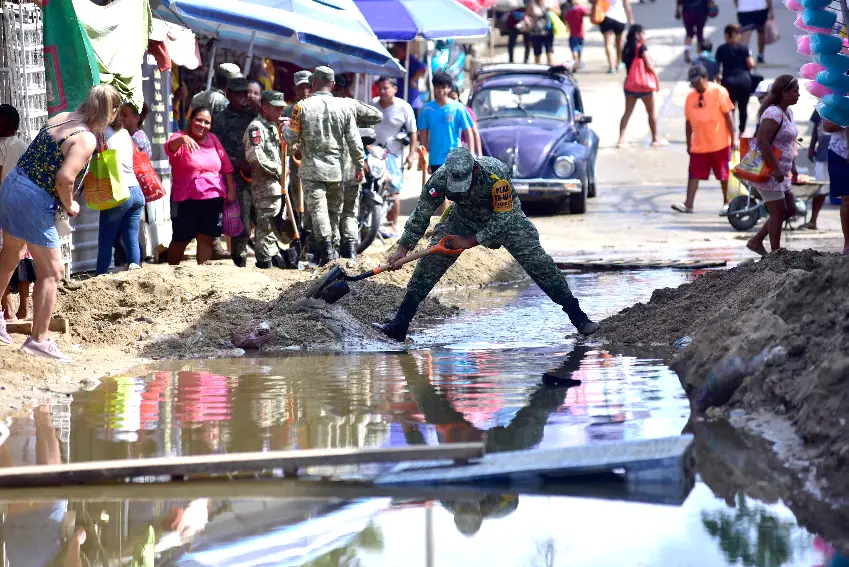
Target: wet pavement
point(478, 377)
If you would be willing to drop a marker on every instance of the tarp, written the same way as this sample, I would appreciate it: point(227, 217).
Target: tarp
point(404, 20)
point(304, 32)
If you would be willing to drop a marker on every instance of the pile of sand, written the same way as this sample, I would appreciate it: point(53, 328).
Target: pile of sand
point(797, 300)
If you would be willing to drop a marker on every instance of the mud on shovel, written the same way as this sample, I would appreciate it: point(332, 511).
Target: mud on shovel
point(334, 285)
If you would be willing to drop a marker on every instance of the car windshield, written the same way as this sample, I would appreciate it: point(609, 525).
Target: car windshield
point(521, 100)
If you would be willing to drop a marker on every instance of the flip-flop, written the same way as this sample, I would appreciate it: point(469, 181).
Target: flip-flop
point(388, 234)
point(681, 208)
point(846, 251)
point(660, 143)
point(623, 145)
point(808, 226)
point(760, 250)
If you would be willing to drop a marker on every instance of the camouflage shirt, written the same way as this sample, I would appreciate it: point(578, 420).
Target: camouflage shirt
point(327, 134)
point(215, 100)
point(262, 151)
point(365, 116)
point(491, 208)
point(230, 127)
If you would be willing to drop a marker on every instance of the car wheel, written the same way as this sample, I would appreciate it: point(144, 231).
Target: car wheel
point(578, 201)
point(591, 188)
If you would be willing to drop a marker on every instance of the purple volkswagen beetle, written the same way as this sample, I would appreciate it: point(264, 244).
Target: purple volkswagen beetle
point(532, 118)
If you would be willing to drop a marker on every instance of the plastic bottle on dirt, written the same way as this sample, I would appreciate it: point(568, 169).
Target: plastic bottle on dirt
point(727, 375)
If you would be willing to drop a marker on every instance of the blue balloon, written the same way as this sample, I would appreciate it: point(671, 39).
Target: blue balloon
point(833, 62)
point(819, 18)
point(838, 82)
point(815, 4)
point(834, 113)
point(822, 43)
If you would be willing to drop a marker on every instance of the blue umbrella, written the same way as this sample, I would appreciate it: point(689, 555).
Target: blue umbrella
point(405, 20)
point(304, 32)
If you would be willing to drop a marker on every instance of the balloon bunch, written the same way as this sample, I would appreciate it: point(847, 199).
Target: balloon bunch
point(826, 43)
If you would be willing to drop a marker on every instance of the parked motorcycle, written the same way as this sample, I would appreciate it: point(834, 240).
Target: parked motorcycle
point(375, 193)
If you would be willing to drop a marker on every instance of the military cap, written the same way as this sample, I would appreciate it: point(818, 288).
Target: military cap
point(229, 70)
point(324, 73)
point(274, 98)
point(341, 81)
point(302, 77)
point(237, 84)
point(460, 163)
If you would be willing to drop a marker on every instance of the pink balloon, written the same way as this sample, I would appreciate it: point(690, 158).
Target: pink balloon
point(803, 44)
point(809, 70)
point(793, 5)
point(818, 90)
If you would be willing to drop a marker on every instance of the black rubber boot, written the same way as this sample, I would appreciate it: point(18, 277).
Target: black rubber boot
point(240, 262)
point(263, 265)
point(397, 328)
point(579, 319)
point(326, 253)
point(348, 250)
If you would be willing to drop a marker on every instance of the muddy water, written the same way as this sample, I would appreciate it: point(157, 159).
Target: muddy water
point(474, 378)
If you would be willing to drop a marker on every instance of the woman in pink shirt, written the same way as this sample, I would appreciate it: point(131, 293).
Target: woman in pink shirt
point(200, 172)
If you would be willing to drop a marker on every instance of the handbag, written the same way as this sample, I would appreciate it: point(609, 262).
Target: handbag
point(771, 34)
point(233, 225)
point(735, 188)
point(102, 187)
point(149, 182)
point(599, 11)
point(713, 9)
point(639, 80)
point(753, 166)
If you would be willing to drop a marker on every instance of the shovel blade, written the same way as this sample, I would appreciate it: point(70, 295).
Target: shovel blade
point(335, 291)
point(333, 275)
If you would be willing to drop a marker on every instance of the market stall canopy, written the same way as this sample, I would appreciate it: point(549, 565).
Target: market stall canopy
point(307, 33)
point(477, 5)
point(405, 20)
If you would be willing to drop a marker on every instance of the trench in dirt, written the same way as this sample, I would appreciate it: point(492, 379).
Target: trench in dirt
point(479, 372)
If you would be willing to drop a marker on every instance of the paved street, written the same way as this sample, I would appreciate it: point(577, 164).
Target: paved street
point(637, 186)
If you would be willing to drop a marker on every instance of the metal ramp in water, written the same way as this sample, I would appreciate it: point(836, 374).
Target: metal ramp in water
point(648, 464)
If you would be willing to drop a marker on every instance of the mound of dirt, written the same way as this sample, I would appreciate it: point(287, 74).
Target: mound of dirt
point(796, 300)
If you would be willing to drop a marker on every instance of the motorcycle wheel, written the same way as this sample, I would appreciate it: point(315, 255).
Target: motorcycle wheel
point(742, 221)
point(369, 225)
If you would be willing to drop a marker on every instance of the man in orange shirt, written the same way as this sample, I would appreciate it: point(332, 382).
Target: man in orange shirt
point(710, 135)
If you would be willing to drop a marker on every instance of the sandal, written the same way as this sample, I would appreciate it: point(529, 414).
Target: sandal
point(809, 226)
point(623, 145)
point(759, 250)
point(682, 208)
point(660, 143)
point(846, 251)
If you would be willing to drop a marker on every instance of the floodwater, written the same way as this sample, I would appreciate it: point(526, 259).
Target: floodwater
point(475, 378)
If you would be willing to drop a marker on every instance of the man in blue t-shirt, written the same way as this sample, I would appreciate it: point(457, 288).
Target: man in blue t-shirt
point(442, 123)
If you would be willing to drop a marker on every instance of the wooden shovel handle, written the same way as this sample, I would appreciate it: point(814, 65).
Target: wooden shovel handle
point(438, 248)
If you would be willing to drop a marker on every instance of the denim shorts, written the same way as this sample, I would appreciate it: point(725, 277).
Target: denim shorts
point(28, 211)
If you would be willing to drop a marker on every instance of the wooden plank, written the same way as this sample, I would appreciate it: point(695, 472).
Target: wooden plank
point(93, 472)
point(593, 459)
point(57, 325)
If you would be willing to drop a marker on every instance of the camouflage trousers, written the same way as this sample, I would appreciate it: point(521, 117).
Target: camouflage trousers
point(324, 204)
point(266, 243)
point(239, 244)
point(521, 240)
point(348, 228)
point(295, 189)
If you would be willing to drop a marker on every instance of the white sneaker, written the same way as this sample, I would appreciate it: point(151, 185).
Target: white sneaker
point(723, 212)
point(133, 267)
point(5, 339)
point(46, 349)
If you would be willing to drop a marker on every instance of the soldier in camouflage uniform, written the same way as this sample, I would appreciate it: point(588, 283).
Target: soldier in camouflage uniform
point(345, 234)
point(326, 131)
point(230, 127)
point(303, 84)
point(262, 150)
point(485, 210)
point(215, 99)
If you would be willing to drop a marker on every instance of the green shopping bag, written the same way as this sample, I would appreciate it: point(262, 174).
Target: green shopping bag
point(102, 187)
point(558, 28)
point(735, 188)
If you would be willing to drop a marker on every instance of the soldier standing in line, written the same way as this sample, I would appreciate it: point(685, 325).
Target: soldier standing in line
point(345, 235)
point(262, 150)
point(303, 83)
point(215, 99)
point(487, 211)
point(326, 131)
point(230, 127)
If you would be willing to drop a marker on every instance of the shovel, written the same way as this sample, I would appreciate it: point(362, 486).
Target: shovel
point(334, 286)
point(284, 152)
